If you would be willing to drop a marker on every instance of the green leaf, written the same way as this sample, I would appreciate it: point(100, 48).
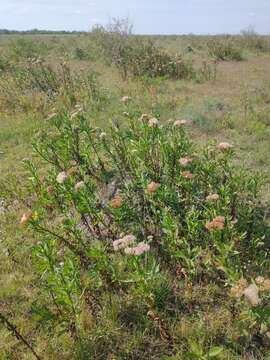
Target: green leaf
point(215, 351)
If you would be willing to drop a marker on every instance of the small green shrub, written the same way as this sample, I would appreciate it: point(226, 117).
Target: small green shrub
point(253, 41)
point(138, 215)
point(145, 59)
point(224, 50)
point(39, 78)
point(4, 64)
point(85, 53)
point(28, 49)
point(136, 57)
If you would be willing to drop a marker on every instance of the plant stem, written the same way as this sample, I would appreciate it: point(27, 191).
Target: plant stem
point(15, 332)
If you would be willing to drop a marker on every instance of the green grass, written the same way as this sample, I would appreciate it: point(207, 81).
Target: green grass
point(232, 107)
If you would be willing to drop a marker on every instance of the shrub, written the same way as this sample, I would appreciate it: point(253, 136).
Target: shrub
point(136, 57)
point(252, 40)
point(224, 50)
point(119, 214)
point(39, 78)
point(145, 59)
point(27, 49)
point(4, 64)
point(88, 52)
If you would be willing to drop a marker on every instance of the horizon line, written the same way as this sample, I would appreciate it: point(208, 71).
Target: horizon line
point(29, 31)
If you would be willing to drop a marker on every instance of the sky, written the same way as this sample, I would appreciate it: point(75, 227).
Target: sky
point(148, 16)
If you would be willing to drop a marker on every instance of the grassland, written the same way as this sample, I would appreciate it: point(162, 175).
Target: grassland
point(230, 103)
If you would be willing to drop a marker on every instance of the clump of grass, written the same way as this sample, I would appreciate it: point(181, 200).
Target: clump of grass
point(212, 115)
point(224, 50)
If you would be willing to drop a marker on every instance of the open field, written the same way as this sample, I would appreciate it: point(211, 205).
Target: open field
point(190, 315)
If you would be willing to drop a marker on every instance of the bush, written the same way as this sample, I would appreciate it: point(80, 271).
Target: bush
point(136, 57)
point(120, 214)
point(145, 59)
point(252, 40)
point(28, 49)
point(39, 78)
point(4, 64)
point(224, 50)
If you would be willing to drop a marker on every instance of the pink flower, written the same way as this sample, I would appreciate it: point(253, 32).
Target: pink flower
point(102, 135)
point(116, 202)
point(123, 242)
point(219, 219)
point(79, 185)
point(181, 122)
point(217, 223)
point(138, 250)
point(153, 122)
point(224, 146)
point(125, 99)
point(187, 175)
point(25, 218)
point(238, 289)
point(212, 197)
point(259, 280)
point(50, 189)
point(61, 177)
point(152, 187)
point(252, 295)
point(185, 161)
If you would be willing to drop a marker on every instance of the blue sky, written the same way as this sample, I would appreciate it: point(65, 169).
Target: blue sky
point(148, 16)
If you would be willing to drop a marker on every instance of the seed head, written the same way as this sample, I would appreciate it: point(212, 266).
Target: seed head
point(185, 161)
point(138, 250)
point(152, 187)
point(79, 185)
point(259, 280)
point(116, 202)
point(187, 175)
point(50, 189)
point(252, 295)
point(224, 146)
point(179, 123)
point(216, 224)
point(102, 135)
point(25, 218)
point(153, 122)
point(123, 242)
point(212, 197)
point(125, 99)
point(61, 177)
point(238, 289)
point(265, 286)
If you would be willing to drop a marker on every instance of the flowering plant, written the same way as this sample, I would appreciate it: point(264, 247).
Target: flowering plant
point(119, 212)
